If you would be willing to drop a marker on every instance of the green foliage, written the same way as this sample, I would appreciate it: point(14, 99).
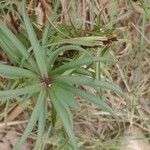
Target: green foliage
point(42, 79)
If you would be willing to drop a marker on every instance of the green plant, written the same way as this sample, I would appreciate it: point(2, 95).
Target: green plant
point(40, 78)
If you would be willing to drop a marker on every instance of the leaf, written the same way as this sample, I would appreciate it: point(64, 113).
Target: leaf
point(53, 115)
point(20, 47)
point(8, 48)
point(14, 40)
point(55, 54)
point(91, 82)
point(33, 119)
point(13, 72)
point(84, 41)
point(38, 50)
point(82, 71)
point(90, 98)
point(56, 87)
point(64, 116)
point(10, 94)
point(13, 58)
point(79, 62)
point(66, 102)
point(48, 26)
point(41, 126)
point(67, 97)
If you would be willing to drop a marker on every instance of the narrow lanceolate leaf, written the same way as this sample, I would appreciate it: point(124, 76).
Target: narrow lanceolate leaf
point(20, 47)
point(91, 82)
point(14, 40)
point(37, 48)
point(12, 72)
point(55, 54)
point(83, 71)
point(10, 94)
point(41, 126)
point(33, 119)
point(48, 26)
point(64, 116)
point(90, 98)
point(53, 116)
point(85, 41)
point(56, 88)
point(67, 97)
point(12, 57)
point(66, 106)
point(79, 62)
point(8, 48)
